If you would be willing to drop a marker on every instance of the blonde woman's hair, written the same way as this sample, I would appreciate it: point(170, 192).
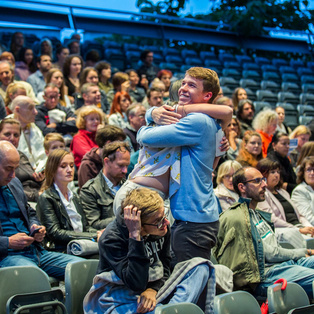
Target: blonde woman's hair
point(225, 168)
point(263, 119)
point(299, 130)
point(51, 137)
point(84, 112)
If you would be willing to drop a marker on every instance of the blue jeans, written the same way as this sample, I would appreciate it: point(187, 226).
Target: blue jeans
point(52, 263)
point(300, 271)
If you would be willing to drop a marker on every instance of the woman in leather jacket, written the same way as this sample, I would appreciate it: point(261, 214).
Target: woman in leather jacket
point(58, 208)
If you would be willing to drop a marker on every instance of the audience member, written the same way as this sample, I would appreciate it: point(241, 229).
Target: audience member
point(121, 83)
point(3, 111)
point(285, 216)
point(303, 195)
point(120, 104)
point(58, 208)
point(37, 79)
point(220, 94)
point(233, 132)
point(7, 77)
point(89, 75)
point(13, 90)
point(51, 116)
point(17, 42)
point(134, 245)
point(18, 220)
point(306, 151)
point(238, 95)
point(89, 120)
point(165, 76)
point(74, 47)
point(92, 161)
point(10, 130)
point(91, 58)
point(136, 119)
point(8, 56)
point(302, 133)
point(250, 152)
point(245, 115)
point(72, 68)
point(25, 65)
point(31, 140)
point(97, 194)
point(265, 123)
point(147, 69)
point(226, 101)
point(281, 126)
point(138, 93)
point(104, 74)
point(248, 246)
point(154, 97)
point(224, 190)
point(279, 152)
point(46, 48)
point(61, 54)
point(52, 142)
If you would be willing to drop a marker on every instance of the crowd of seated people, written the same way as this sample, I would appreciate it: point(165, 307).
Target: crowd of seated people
point(70, 119)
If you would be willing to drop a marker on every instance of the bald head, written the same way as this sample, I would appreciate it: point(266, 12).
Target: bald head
point(9, 161)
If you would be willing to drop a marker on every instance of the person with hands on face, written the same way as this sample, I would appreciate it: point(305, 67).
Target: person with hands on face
point(18, 220)
point(134, 266)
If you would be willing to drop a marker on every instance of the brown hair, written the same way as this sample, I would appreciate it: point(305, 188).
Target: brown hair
point(307, 160)
point(306, 150)
point(266, 165)
point(62, 87)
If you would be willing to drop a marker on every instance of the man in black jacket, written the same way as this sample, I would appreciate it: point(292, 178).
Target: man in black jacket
point(61, 120)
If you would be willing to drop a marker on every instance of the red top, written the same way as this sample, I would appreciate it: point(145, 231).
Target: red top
point(266, 139)
point(82, 143)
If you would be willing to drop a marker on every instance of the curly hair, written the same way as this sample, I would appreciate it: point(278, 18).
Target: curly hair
point(84, 112)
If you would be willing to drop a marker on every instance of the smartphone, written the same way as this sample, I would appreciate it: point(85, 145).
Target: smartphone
point(34, 232)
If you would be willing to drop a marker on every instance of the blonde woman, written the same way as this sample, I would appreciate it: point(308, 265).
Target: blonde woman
point(265, 123)
point(89, 120)
point(224, 190)
point(302, 133)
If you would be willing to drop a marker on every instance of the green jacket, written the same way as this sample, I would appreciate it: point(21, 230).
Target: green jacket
point(240, 247)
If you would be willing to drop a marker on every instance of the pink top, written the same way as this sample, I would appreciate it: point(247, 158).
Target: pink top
point(82, 143)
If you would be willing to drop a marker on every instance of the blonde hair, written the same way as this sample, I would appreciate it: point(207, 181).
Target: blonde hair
point(84, 112)
point(299, 130)
point(146, 200)
point(12, 89)
point(51, 137)
point(263, 119)
point(225, 168)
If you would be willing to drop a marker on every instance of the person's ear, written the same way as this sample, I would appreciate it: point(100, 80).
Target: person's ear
point(106, 160)
point(208, 96)
point(242, 187)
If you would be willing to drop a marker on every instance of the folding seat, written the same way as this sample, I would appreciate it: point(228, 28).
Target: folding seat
point(131, 47)
point(194, 61)
point(288, 97)
point(296, 63)
point(306, 110)
point(304, 120)
point(271, 76)
point(270, 85)
point(290, 87)
point(225, 56)
point(261, 61)
point(250, 94)
point(229, 82)
point(290, 77)
point(158, 57)
point(232, 65)
point(307, 79)
point(153, 48)
point(227, 91)
point(283, 301)
point(93, 46)
point(279, 62)
point(232, 73)
point(304, 71)
point(251, 66)
point(260, 105)
point(133, 57)
point(184, 68)
point(265, 95)
point(235, 302)
point(208, 55)
point(253, 75)
point(249, 83)
point(30, 39)
point(310, 65)
point(291, 114)
point(186, 53)
point(269, 68)
point(243, 59)
point(210, 63)
point(116, 58)
point(306, 99)
point(111, 44)
point(287, 69)
point(169, 66)
point(308, 88)
point(171, 52)
point(177, 60)
point(183, 308)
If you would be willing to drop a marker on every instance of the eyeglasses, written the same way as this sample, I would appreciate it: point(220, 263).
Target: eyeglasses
point(159, 224)
point(309, 170)
point(257, 180)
